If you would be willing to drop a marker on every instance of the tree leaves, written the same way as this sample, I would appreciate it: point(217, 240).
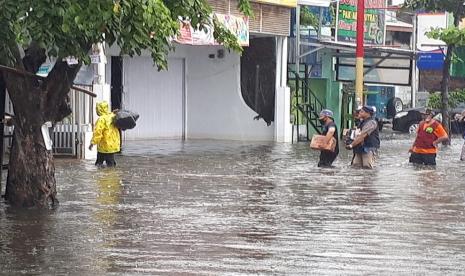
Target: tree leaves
point(224, 36)
point(307, 18)
point(450, 35)
point(69, 27)
point(455, 98)
point(433, 5)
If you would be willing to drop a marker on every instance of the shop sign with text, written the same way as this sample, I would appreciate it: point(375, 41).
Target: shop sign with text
point(375, 21)
point(239, 26)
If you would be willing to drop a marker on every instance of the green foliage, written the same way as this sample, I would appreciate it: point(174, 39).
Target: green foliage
point(307, 18)
point(434, 5)
point(450, 35)
point(455, 98)
point(244, 7)
point(69, 27)
point(225, 37)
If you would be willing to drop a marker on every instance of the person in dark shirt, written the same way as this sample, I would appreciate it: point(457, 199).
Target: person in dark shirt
point(329, 130)
point(367, 143)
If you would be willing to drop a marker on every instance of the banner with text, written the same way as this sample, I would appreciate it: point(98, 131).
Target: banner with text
point(237, 25)
point(375, 21)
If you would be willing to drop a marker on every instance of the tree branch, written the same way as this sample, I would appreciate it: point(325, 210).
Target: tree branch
point(57, 86)
point(34, 57)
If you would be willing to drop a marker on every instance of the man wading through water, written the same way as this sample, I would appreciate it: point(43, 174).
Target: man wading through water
point(329, 130)
point(429, 134)
point(366, 144)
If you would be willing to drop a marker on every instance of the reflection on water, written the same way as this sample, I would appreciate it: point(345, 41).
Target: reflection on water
point(212, 207)
point(109, 192)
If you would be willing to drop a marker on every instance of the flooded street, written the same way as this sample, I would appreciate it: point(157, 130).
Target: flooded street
point(237, 208)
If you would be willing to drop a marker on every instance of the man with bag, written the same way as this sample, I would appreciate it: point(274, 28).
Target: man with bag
point(327, 157)
point(366, 144)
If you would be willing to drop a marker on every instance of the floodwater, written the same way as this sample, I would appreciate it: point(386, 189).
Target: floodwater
point(233, 208)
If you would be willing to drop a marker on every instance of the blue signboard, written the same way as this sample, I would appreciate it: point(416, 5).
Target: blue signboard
point(430, 61)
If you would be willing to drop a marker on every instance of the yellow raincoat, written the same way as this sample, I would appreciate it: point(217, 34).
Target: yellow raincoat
point(106, 135)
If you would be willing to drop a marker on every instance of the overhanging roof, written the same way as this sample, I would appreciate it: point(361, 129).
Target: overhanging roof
point(399, 26)
point(369, 49)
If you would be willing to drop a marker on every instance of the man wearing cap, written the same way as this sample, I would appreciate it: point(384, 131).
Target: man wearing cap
point(366, 144)
point(429, 134)
point(329, 130)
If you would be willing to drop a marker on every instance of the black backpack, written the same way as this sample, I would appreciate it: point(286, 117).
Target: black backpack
point(125, 119)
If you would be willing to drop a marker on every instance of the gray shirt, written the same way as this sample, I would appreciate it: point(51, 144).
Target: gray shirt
point(369, 127)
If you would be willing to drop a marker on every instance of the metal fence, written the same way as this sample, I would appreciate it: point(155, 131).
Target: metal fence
point(67, 135)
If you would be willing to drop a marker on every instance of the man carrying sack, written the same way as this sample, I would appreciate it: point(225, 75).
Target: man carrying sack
point(329, 139)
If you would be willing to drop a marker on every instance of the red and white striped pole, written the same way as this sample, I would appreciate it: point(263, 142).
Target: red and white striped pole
point(360, 52)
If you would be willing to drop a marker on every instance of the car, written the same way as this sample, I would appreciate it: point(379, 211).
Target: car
point(408, 120)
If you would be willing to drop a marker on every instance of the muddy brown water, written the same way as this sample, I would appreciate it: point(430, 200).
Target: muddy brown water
point(236, 208)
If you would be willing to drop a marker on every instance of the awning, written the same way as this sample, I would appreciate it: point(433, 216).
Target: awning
point(383, 65)
point(317, 3)
point(369, 49)
point(399, 26)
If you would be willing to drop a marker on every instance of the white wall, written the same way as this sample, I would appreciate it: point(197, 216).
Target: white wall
point(214, 105)
point(215, 108)
point(158, 98)
point(425, 23)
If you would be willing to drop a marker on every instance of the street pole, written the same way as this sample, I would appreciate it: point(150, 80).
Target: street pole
point(297, 66)
point(414, 85)
point(360, 52)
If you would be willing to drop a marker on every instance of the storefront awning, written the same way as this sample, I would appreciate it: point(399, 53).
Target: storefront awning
point(399, 26)
point(369, 49)
point(383, 65)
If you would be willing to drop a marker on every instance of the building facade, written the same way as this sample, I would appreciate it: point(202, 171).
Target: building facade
point(201, 94)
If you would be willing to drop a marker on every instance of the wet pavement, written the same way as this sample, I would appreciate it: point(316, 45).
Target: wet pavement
point(237, 208)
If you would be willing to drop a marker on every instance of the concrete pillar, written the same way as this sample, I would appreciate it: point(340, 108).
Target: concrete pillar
point(103, 92)
point(283, 127)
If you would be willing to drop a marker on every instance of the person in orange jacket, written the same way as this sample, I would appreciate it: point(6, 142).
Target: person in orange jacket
point(430, 134)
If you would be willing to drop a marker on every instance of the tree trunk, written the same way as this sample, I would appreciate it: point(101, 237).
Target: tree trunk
point(458, 15)
point(445, 91)
point(2, 111)
point(31, 174)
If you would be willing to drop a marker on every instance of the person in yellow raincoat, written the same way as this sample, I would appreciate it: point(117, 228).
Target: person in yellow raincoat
point(106, 136)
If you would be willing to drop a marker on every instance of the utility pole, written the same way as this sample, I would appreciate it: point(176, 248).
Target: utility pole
point(297, 64)
point(414, 84)
point(360, 52)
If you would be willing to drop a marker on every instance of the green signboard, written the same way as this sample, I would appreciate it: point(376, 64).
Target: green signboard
point(375, 21)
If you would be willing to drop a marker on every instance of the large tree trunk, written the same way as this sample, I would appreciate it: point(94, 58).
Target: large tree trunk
point(31, 173)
